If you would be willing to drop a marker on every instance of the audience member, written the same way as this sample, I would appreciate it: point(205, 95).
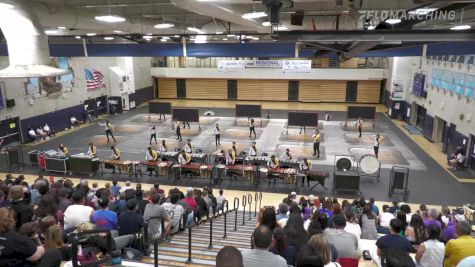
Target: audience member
point(280, 247)
point(307, 257)
point(220, 200)
point(317, 224)
point(130, 222)
point(346, 243)
point(229, 256)
point(296, 234)
point(21, 206)
point(407, 210)
point(398, 258)
point(368, 224)
point(77, 213)
point(450, 231)
point(416, 231)
point(177, 212)
point(104, 218)
point(320, 245)
point(268, 218)
point(392, 240)
point(460, 248)
point(384, 218)
point(374, 208)
point(430, 253)
point(432, 218)
point(352, 225)
point(260, 256)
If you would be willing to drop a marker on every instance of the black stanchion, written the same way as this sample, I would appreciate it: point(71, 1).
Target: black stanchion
point(260, 200)
point(189, 260)
point(225, 204)
point(256, 198)
point(210, 246)
point(155, 254)
point(249, 201)
point(235, 208)
point(244, 203)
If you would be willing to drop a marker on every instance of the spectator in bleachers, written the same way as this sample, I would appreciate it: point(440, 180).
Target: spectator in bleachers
point(345, 243)
point(306, 211)
point(213, 200)
point(105, 218)
point(130, 222)
point(394, 208)
point(74, 121)
point(229, 256)
point(128, 185)
point(78, 212)
point(267, 217)
point(327, 207)
point(317, 224)
point(48, 131)
point(352, 225)
point(460, 248)
point(33, 135)
point(323, 249)
point(384, 218)
point(260, 256)
point(49, 205)
point(178, 211)
point(398, 258)
point(282, 212)
point(450, 231)
point(54, 240)
point(21, 206)
point(280, 247)
point(392, 241)
point(356, 208)
point(220, 200)
point(374, 207)
point(368, 223)
point(202, 206)
point(308, 257)
point(407, 210)
point(115, 188)
point(296, 234)
point(432, 218)
point(431, 252)
point(402, 217)
point(154, 209)
point(445, 214)
point(416, 231)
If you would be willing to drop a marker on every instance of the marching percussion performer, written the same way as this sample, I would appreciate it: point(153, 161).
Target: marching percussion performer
point(304, 168)
point(109, 130)
point(188, 147)
point(287, 155)
point(217, 135)
point(316, 143)
point(163, 147)
point(91, 151)
point(252, 129)
point(359, 124)
point(153, 134)
point(273, 162)
point(377, 140)
point(234, 150)
point(178, 130)
point(184, 158)
point(62, 149)
point(253, 150)
point(115, 156)
point(230, 158)
point(151, 155)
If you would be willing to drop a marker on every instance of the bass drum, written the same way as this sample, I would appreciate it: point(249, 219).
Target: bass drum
point(344, 164)
point(369, 164)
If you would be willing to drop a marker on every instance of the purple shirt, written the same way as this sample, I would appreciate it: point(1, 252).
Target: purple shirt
point(428, 223)
point(449, 232)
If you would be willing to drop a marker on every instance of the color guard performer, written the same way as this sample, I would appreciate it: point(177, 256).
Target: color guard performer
point(217, 135)
point(91, 151)
point(63, 150)
point(359, 124)
point(178, 130)
point(252, 129)
point(377, 140)
point(304, 168)
point(316, 143)
point(151, 155)
point(153, 134)
point(115, 156)
point(109, 130)
point(253, 150)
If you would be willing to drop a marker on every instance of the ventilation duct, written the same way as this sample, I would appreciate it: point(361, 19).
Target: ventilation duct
point(27, 44)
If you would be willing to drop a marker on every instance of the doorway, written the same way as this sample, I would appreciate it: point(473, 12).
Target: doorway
point(471, 154)
point(420, 116)
point(438, 137)
point(351, 91)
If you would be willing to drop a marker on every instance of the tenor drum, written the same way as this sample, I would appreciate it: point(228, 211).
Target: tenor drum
point(369, 164)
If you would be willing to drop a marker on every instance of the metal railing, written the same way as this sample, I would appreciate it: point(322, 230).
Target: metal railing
point(249, 201)
point(244, 203)
point(235, 209)
point(225, 205)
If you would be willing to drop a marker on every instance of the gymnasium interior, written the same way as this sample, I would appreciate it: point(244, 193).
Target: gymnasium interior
point(384, 89)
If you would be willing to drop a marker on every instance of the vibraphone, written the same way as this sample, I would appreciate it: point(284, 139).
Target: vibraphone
point(293, 163)
point(246, 171)
point(319, 177)
point(125, 166)
point(170, 156)
point(261, 161)
point(287, 174)
point(197, 169)
point(199, 157)
point(164, 167)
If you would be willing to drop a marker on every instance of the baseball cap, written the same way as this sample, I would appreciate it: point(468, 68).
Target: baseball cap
point(339, 220)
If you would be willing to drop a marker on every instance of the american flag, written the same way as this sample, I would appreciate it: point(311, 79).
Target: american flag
point(94, 79)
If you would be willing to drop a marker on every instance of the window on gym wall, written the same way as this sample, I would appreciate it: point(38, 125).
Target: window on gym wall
point(181, 88)
point(293, 90)
point(232, 89)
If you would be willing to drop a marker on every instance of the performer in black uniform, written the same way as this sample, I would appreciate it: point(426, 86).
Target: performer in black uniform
point(109, 130)
point(178, 130)
point(359, 124)
point(377, 140)
point(217, 135)
point(316, 143)
point(251, 129)
point(153, 134)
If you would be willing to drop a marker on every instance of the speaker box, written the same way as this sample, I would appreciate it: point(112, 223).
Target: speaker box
point(10, 103)
point(296, 19)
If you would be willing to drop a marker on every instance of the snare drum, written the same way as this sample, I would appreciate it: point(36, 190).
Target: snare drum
point(369, 164)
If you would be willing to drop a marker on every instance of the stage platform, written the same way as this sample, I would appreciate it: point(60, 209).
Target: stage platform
point(294, 135)
point(366, 139)
point(240, 134)
point(300, 152)
point(385, 156)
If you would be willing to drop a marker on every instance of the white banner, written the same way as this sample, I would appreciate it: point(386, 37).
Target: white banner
point(296, 66)
point(224, 65)
point(264, 64)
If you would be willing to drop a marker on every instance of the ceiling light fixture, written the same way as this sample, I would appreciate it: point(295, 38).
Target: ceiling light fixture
point(422, 11)
point(163, 40)
point(176, 36)
point(460, 27)
point(78, 37)
point(61, 28)
point(110, 18)
point(231, 35)
point(117, 31)
point(108, 38)
point(193, 29)
point(266, 24)
point(164, 25)
point(147, 37)
point(225, 39)
point(91, 34)
point(371, 27)
point(5, 6)
point(49, 32)
point(282, 28)
point(219, 32)
point(254, 15)
point(393, 21)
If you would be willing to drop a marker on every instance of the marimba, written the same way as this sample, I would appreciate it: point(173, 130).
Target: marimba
point(164, 167)
point(246, 171)
point(125, 166)
point(319, 177)
point(173, 156)
point(203, 170)
point(287, 174)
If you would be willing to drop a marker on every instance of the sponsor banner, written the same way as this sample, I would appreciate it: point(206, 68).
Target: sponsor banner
point(297, 66)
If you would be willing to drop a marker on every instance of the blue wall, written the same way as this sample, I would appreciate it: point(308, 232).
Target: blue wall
point(428, 127)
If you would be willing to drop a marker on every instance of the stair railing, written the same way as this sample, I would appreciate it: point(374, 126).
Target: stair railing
point(260, 200)
point(155, 241)
point(189, 260)
point(235, 209)
point(210, 218)
point(256, 198)
point(244, 203)
point(249, 201)
point(225, 211)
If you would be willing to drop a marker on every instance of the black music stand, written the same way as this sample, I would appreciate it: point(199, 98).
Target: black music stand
point(398, 182)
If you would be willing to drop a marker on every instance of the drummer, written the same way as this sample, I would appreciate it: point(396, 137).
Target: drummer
point(162, 148)
point(151, 155)
point(304, 168)
point(115, 156)
point(230, 158)
point(63, 150)
point(188, 147)
point(91, 151)
point(377, 140)
point(253, 150)
point(287, 156)
point(184, 158)
point(273, 162)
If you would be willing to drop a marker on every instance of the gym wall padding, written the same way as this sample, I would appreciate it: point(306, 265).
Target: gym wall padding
point(186, 114)
point(368, 92)
point(309, 119)
point(254, 111)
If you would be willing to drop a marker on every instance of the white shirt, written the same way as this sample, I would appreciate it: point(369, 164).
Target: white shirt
point(106, 126)
point(77, 214)
point(182, 160)
point(32, 132)
point(114, 156)
point(459, 158)
point(229, 159)
point(46, 128)
point(376, 141)
point(287, 156)
point(152, 130)
point(73, 119)
point(303, 166)
point(353, 228)
point(148, 156)
point(433, 254)
point(385, 218)
point(271, 164)
point(162, 148)
point(252, 152)
point(216, 131)
point(89, 151)
point(220, 199)
point(125, 188)
point(188, 148)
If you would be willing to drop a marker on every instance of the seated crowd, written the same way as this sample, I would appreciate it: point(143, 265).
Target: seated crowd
point(324, 232)
point(37, 221)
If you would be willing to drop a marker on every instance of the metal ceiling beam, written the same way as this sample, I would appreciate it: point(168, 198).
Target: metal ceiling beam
point(376, 36)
